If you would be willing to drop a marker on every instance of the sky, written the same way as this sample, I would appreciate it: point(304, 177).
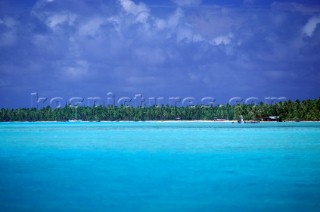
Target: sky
point(169, 48)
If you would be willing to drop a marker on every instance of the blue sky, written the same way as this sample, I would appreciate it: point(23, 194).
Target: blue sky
point(221, 49)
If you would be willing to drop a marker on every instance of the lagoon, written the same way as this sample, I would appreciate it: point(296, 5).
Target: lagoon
point(159, 166)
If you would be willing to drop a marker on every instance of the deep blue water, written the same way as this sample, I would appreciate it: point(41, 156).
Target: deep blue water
point(149, 166)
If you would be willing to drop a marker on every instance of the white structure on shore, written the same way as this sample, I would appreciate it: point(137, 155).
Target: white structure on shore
point(241, 120)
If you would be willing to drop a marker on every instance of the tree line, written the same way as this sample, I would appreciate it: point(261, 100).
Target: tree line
point(306, 110)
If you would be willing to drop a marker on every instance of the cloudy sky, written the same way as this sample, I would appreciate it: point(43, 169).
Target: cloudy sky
point(199, 48)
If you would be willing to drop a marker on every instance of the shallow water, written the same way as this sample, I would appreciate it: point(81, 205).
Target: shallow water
point(159, 166)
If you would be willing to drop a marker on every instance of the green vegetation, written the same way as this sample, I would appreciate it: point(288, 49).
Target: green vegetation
point(307, 110)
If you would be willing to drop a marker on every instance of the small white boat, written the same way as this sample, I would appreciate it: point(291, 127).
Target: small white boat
point(74, 120)
point(241, 120)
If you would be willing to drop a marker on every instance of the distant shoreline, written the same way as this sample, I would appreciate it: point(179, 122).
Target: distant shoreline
point(307, 110)
point(156, 121)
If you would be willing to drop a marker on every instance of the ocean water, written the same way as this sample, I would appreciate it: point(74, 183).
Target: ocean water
point(159, 166)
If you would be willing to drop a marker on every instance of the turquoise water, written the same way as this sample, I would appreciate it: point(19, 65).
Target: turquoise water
point(149, 166)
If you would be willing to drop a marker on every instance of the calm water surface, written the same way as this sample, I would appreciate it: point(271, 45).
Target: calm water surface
point(149, 166)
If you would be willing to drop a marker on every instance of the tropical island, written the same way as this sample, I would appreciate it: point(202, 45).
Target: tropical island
point(306, 110)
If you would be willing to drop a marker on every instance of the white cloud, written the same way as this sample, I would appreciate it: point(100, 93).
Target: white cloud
point(311, 25)
point(174, 25)
point(140, 11)
point(296, 7)
point(197, 38)
point(115, 21)
point(91, 27)
point(174, 20)
point(150, 56)
point(56, 20)
point(160, 24)
point(8, 22)
point(77, 70)
point(222, 40)
point(9, 36)
point(183, 3)
point(184, 34)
